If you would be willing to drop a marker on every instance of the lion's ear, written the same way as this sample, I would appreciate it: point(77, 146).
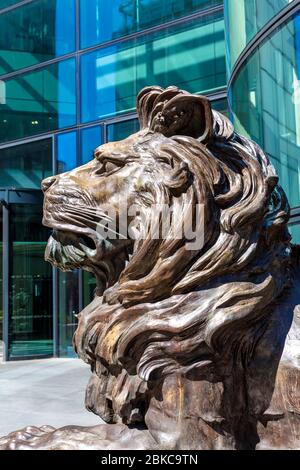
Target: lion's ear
point(184, 114)
point(175, 112)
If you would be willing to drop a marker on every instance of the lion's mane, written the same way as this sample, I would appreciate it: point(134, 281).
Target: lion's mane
point(177, 310)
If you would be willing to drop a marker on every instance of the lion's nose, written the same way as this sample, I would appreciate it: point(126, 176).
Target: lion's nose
point(46, 183)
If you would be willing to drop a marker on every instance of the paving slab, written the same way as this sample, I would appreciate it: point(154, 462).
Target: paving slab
point(45, 391)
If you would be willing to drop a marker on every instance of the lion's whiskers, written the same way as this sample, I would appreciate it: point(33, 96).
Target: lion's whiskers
point(92, 211)
point(93, 216)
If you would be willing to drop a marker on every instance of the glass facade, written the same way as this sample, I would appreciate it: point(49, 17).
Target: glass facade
point(102, 22)
point(111, 77)
point(44, 32)
point(37, 102)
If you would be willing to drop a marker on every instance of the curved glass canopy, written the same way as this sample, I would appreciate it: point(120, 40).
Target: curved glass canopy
point(244, 19)
point(265, 102)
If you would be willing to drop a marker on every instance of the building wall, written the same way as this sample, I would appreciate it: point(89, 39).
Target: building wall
point(69, 74)
point(263, 48)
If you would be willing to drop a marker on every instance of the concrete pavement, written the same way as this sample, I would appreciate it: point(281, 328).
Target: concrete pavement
point(45, 391)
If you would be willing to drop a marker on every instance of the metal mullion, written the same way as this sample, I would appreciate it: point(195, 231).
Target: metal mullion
point(5, 277)
point(219, 95)
point(104, 133)
point(80, 290)
point(55, 312)
point(15, 6)
point(295, 211)
point(78, 91)
point(77, 27)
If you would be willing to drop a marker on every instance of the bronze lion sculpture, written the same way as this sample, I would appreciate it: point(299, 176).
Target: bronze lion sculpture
point(189, 348)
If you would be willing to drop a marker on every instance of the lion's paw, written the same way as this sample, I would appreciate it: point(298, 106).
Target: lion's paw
point(24, 438)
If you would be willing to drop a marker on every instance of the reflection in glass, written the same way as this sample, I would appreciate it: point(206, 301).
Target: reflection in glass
point(24, 166)
point(100, 22)
point(68, 309)
point(66, 151)
point(8, 3)
point(90, 139)
point(30, 324)
point(221, 106)
point(244, 19)
point(38, 101)
point(191, 56)
point(89, 287)
point(265, 100)
point(295, 232)
point(35, 33)
point(121, 130)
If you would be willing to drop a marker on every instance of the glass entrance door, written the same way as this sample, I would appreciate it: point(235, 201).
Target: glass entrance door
point(30, 284)
point(26, 279)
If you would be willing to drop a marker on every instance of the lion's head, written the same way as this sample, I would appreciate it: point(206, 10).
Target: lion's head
point(165, 307)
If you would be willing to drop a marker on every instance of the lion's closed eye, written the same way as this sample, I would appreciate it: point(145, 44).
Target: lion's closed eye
point(107, 167)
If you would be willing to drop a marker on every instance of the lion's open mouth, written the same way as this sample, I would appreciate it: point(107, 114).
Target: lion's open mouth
point(68, 251)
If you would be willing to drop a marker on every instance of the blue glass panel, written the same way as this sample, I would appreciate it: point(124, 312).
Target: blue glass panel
point(90, 139)
point(66, 147)
point(103, 20)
